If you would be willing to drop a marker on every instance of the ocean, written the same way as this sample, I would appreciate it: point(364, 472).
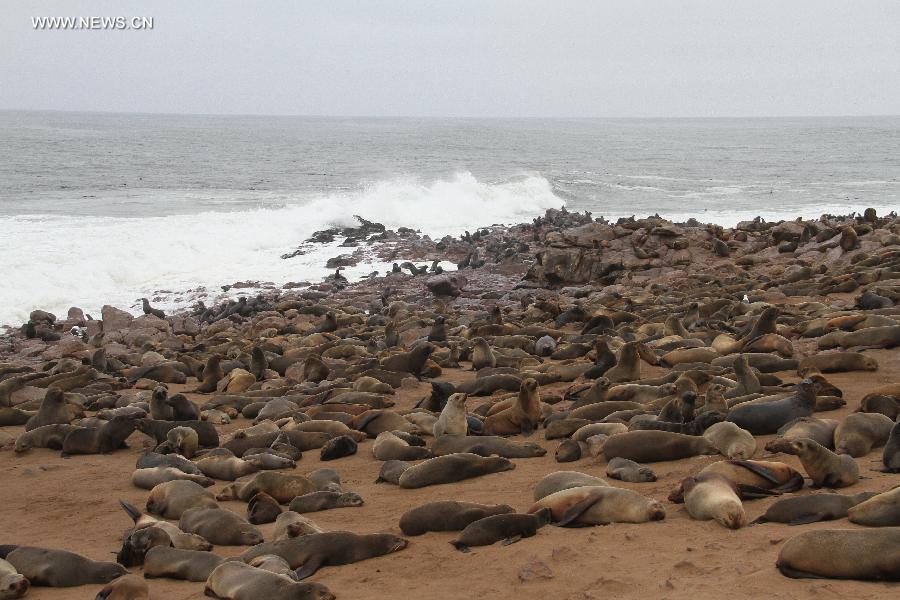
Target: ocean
point(106, 208)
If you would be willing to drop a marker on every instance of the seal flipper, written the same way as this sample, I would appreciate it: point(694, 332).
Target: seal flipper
point(791, 485)
point(511, 540)
point(308, 568)
point(460, 546)
point(795, 574)
point(749, 492)
point(131, 509)
point(576, 510)
point(6, 549)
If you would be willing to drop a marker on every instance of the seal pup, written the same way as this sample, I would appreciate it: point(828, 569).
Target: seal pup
point(598, 505)
point(628, 470)
point(262, 508)
point(655, 445)
point(812, 508)
point(59, 568)
point(563, 480)
point(238, 581)
point(452, 420)
point(482, 356)
point(842, 554)
point(712, 496)
point(317, 501)
point(881, 510)
point(309, 553)
point(858, 433)
point(12, 584)
point(568, 451)
point(221, 527)
point(53, 410)
point(825, 468)
point(509, 527)
point(290, 525)
point(731, 441)
point(175, 563)
point(452, 468)
point(338, 447)
point(171, 499)
point(447, 515)
point(127, 587)
point(389, 446)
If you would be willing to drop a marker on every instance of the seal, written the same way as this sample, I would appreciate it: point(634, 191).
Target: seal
point(159, 408)
point(655, 445)
point(290, 525)
point(175, 563)
point(858, 433)
point(388, 446)
point(769, 417)
point(881, 510)
point(522, 417)
point(839, 362)
point(408, 362)
point(509, 527)
point(824, 467)
point(46, 436)
point(12, 584)
point(325, 480)
point(212, 374)
point(227, 467)
point(316, 501)
point(731, 441)
point(258, 363)
point(221, 527)
point(452, 420)
point(147, 479)
point(309, 553)
point(564, 480)
point(486, 445)
point(338, 447)
point(110, 436)
point(628, 470)
point(239, 581)
point(812, 508)
point(891, 455)
point(262, 508)
point(628, 365)
point(568, 451)
point(713, 496)
point(753, 478)
point(447, 515)
point(273, 564)
point(59, 568)
point(183, 441)
point(283, 488)
point(451, 468)
point(391, 471)
point(131, 551)
point(482, 355)
point(820, 430)
point(842, 554)
point(53, 410)
point(171, 499)
point(598, 505)
point(128, 587)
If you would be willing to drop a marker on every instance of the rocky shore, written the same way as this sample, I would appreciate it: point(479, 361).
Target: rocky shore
point(738, 367)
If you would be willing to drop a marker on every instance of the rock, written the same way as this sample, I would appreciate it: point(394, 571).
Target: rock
point(40, 316)
point(114, 318)
point(446, 285)
point(75, 315)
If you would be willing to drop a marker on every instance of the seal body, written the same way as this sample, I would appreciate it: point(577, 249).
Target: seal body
point(452, 467)
point(712, 496)
point(843, 554)
point(59, 568)
point(447, 515)
point(239, 581)
point(881, 510)
point(654, 445)
point(510, 527)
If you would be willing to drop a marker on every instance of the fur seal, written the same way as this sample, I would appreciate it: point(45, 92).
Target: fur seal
point(522, 417)
point(839, 362)
point(482, 355)
point(338, 447)
point(713, 496)
point(149, 478)
point(452, 420)
point(628, 470)
point(858, 433)
point(221, 527)
point(316, 501)
point(769, 417)
point(753, 478)
point(812, 508)
point(509, 527)
point(290, 525)
point(447, 515)
point(388, 446)
point(731, 441)
point(262, 508)
point(283, 488)
point(183, 441)
point(391, 471)
point(178, 538)
point(309, 553)
point(53, 410)
point(12, 584)
point(46, 436)
point(486, 445)
point(842, 554)
point(654, 445)
point(59, 568)
point(409, 362)
point(598, 505)
point(127, 587)
point(568, 451)
point(226, 467)
point(452, 468)
point(171, 499)
point(110, 436)
point(881, 510)
point(820, 430)
point(238, 581)
point(824, 467)
point(174, 563)
point(564, 480)
point(891, 455)
point(628, 365)
point(212, 373)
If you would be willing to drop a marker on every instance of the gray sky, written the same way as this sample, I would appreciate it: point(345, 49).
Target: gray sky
point(511, 58)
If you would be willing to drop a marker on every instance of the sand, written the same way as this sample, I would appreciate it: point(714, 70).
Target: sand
point(72, 504)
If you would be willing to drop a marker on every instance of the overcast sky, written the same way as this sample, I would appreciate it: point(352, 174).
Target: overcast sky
point(513, 58)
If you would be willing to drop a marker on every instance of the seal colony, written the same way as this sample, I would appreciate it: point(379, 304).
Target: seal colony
point(693, 378)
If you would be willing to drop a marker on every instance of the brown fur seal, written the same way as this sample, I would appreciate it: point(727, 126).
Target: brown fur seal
point(858, 433)
point(12, 584)
point(820, 430)
point(178, 538)
point(225, 467)
point(316, 501)
point(568, 451)
point(753, 478)
point(451, 468)
point(482, 355)
point(891, 455)
point(239, 581)
point(485, 386)
point(509, 527)
point(628, 470)
point(811, 508)
point(452, 420)
point(731, 441)
point(174, 563)
point(712, 496)
point(110, 436)
point(447, 515)
point(147, 479)
point(769, 417)
point(599, 505)
point(486, 445)
point(824, 467)
point(59, 568)
point(843, 554)
point(338, 447)
point(221, 527)
point(881, 510)
point(53, 410)
point(310, 552)
point(564, 480)
point(128, 587)
point(522, 417)
point(171, 499)
point(628, 365)
point(212, 373)
point(389, 446)
point(183, 441)
point(653, 445)
point(408, 362)
point(283, 488)
point(262, 508)
point(290, 525)
point(839, 362)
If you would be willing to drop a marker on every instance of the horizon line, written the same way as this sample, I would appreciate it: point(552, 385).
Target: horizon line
point(459, 117)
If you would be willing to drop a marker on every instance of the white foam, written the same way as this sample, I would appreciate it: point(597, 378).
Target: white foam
point(54, 262)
